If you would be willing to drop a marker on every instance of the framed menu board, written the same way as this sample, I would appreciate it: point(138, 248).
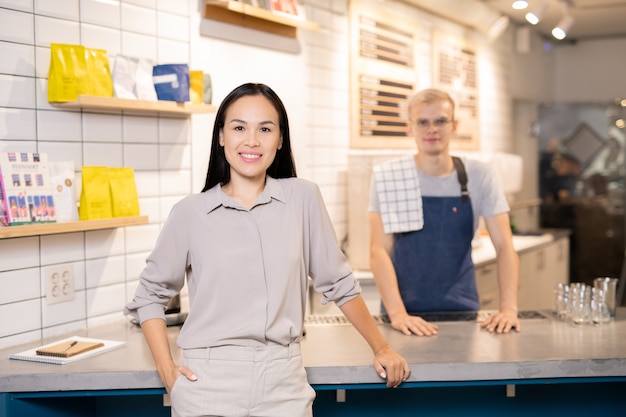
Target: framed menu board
point(382, 78)
point(455, 71)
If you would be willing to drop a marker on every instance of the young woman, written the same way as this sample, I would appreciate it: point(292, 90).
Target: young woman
point(247, 245)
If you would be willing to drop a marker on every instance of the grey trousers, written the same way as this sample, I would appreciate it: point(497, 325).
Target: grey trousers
point(237, 381)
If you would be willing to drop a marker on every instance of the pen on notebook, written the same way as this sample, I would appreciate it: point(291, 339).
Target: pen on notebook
point(69, 345)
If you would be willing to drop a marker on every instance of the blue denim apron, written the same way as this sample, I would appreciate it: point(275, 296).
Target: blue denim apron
point(434, 265)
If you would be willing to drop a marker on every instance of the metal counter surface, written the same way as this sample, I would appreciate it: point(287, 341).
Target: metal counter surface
point(335, 354)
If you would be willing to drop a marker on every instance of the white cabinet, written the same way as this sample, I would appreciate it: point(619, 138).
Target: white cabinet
point(540, 269)
point(487, 284)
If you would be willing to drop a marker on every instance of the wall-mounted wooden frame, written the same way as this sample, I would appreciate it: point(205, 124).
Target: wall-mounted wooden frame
point(455, 70)
point(382, 78)
point(259, 18)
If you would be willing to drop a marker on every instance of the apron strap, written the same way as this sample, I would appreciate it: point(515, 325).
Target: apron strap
point(462, 175)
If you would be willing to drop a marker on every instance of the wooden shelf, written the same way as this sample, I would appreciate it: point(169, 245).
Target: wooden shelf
point(239, 13)
point(170, 108)
point(69, 227)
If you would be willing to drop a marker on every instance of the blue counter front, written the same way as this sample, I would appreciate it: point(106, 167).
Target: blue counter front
point(550, 367)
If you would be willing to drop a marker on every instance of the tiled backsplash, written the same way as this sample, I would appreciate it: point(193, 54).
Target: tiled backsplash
point(106, 263)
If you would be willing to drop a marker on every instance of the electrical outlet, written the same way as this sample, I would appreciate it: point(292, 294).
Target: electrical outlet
point(59, 283)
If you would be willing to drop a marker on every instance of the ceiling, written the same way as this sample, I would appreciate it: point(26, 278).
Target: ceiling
point(593, 19)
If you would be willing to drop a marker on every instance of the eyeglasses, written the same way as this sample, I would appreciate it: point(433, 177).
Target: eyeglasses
point(424, 124)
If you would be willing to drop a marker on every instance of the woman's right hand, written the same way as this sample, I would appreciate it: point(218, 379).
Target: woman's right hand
point(169, 378)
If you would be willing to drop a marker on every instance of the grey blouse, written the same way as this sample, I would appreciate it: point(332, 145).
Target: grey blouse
point(247, 270)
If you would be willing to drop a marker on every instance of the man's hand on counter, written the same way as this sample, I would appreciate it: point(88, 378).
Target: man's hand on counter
point(416, 325)
point(502, 322)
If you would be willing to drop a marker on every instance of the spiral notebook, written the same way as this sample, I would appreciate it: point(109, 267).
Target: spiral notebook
point(67, 350)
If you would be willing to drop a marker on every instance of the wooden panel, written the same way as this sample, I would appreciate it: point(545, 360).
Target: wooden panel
point(69, 227)
point(170, 108)
point(250, 22)
point(455, 71)
point(245, 15)
point(382, 76)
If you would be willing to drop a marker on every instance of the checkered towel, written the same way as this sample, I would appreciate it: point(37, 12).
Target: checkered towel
point(399, 195)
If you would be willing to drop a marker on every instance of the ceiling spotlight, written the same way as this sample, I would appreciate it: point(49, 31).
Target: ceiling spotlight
point(520, 4)
point(535, 16)
point(564, 25)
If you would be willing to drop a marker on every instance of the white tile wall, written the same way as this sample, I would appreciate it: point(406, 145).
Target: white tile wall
point(99, 37)
point(174, 6)
point(63, 151)
point(17, 27)
point(104, 261)
point(42, 61)
point(65, 9)
point(140, 129)
point(17, 124)
point(23, 5)
point(109, 299)
point(19, 253)
point(142, 238)
point(175, 157)
point(19, 285)
point(17, 59)
point(17, 91)
point(173, 131)
point(149, 207)
point(145, 3)
point(98, 127)
point(102, 243)
point(173, 27)
point(134, 265)
point(29, 313)
point(52, 30)
point(25, 146)
point(42, 94)
point(62, 313)
point(175, 183)
point(142, 157)
point(64, 126)
point(138, 45)
point(147, 183)
point(62, 248)
point(172, 52)
point(105, 271)
point(139, 19)
point(102, 13)
point(108, 154)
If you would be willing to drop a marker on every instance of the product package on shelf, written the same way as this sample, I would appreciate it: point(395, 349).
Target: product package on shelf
point(108, 192)
point(26, 194)
point(76, 70)
point(171, 82)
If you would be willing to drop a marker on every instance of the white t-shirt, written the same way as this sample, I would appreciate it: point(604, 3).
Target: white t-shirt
point(485, 190)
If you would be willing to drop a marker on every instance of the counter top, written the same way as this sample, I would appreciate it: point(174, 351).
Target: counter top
point(335, 354)
point(484, 252)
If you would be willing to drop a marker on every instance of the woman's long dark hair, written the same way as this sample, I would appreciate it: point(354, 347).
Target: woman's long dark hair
point(283, 165)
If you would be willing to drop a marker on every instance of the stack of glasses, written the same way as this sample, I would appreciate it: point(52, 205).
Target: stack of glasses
point(579, 303)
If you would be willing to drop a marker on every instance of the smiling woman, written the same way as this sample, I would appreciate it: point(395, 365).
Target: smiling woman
point(251, 138)
point(246, 246)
